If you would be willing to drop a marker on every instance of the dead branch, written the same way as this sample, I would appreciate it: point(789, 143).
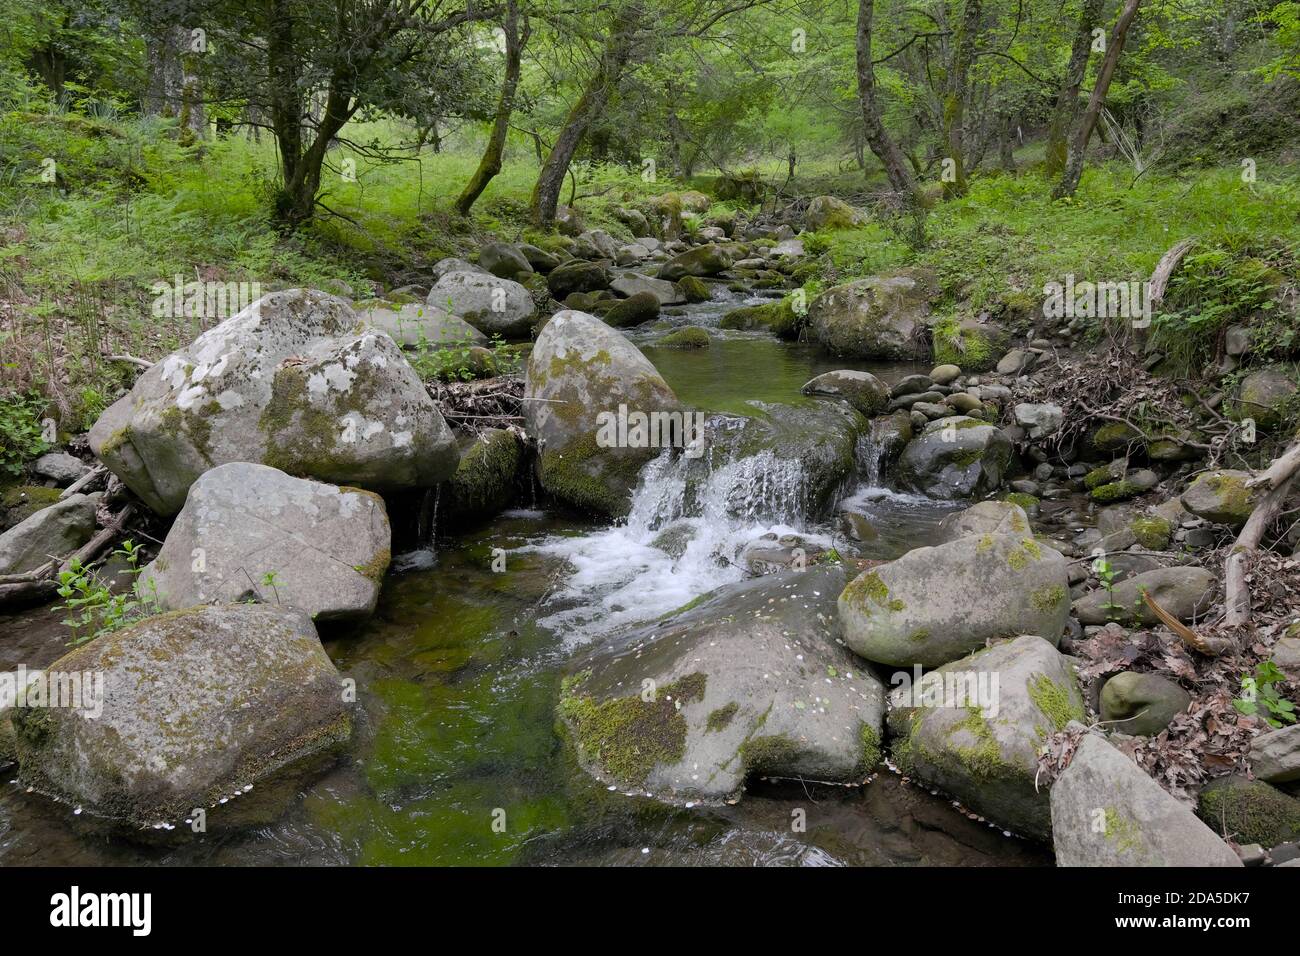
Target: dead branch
point(88, 478)
point(1236, 592)
point(130, 359)
point(40, 584)
point(1165, 268)
point(1279, 470)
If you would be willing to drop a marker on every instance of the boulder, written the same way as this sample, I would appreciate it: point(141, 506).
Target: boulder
point(631, 283)
point(503, 260)
point(489, 303)
point(933, 605)
point(1249, 811)
point(955, 457)
point(694, 289)
point(987, 517)
point(325, 548)
point(538, 258)
point(577, 275)
point(777, 317)
point(882, 317)
point(1275, 755)
point(583, 368)
point(486, 481)
point(748, 682)
point(688, 337)
point(59, 467)
point(634, 219)
point(642, 307)
point(1039, 420)
point(827, 212)
point(294, 381)
point(1107, 812)
point(20, 502)
point(1221, 496)
point(945, 374)
point(419, 325)
point(707, 260)
point(596, 244)
point(444, 267)
point(197, 706)
point(1264, 396)
point(1184, 592)
point(1141, 705)
point(974, 728)
point(862, 390)
point(50, 533)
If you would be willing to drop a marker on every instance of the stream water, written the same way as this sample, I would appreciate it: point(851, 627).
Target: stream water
point(459, 670)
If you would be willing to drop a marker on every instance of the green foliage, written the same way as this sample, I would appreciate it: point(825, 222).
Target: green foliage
point(1260, 695)
point(93, 607)
point(21, 432)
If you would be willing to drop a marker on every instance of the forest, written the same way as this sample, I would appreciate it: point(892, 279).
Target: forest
point(650, 432)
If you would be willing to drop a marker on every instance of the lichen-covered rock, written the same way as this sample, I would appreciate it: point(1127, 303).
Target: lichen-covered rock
point(975, 727)
point(750, 681)
point(294, 381)
point(827, 212)
point(882, 317)
point(934, 605)
point(423, 325)
point(707, 260)
point(1141, 704)
point(196, 706)
point(581, 367)
point(862, 390)
point(325, 548)
point(1264, 396)
point(987, 517)
point(1107, 812)
point(56, 531)
point(955, 457)
point(1184, 592)
point(493, 305)
point(485, 482)
point(1250, 811)
point(1221, 496)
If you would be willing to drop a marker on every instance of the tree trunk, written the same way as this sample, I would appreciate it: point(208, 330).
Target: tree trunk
point(1079, 143)
point(1007, 143)
point(954, 107)
point(590, 106)
point(490, 164)
point(878, 138)
point(193, 119)
point(1067, 100)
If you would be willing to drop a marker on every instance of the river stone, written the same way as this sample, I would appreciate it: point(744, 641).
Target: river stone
point(749, 682)
point(328, 547)
point(1142, 704)
point(294, 381)
point(701, 261)
point(1249, 811)
point(934, 605)
point(982, 746)
point(868, 394)
point(53, 532)
point(945, 374)
point(642, 307)
point(882, 317)
point(444, 267)
point(59, 467)
point(197, 705)
point(1221, 496)
point(577, 275)
point(423, 325)
point(1107, 812)
point(503, 260)
point(827, 212)
point(485, 482)
point(538, 258)
point(1275, 755)
point(1039, 420)
point(1264, 395)
point(631, 283)
point(1182, 591)
point(955, 457)
point(581, 367)
point(987, 517)
point(595, 244)
point(489, 303)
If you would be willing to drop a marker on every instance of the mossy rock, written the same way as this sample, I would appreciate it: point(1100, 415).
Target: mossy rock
point(691, 337)
point(973, 346)
point(1250, 811)
point(20, 502)
point(486, 481)
point(634, 310)
point(694, 289)
point(1221, 496)
point(777, 317)
point(1268, 396)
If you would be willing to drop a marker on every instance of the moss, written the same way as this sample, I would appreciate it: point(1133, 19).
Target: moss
point(1114, 436)
point(779, 318)
point(769, 753)
point(628, 736)
point(375, 568)
point(720, 718)
point(869, 587)
point(1098, 477)
point(1020, 498)
point(1055, 700)
point(1250, 811)
point(983, 758)
point(20, 502)
point(966, 457)
point(1121, 831)
point(971, 349)
point(919, 636)
point(691, 337)
point(195, 426)
point(590, 477)
point(1152, 532)
point(1020, 557)
point(1116, 491)
point(484, 481)
point(694, 289)
point(1233, 492)
point(869, 752)
point(1048, 598)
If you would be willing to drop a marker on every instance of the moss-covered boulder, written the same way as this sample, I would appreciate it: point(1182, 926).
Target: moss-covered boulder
point(707, 260)
point(882, 317)
point(486, 481)
point(251, 532)
point(1113, 437)
point(1221, 496)
point(578, 275)
point(580, 368)
point(691, 337)
point(1249, 811)
point(974, 728)
point(187, 710)
point(777, 317)
point(829, 213)
point(57, 531)
point(1269, 396)
point(955, 457)
point(20, 502)
point(493, 305)
point(972, 345)
point(933, 605)
point(747, 682)
point(862, 390)
point(295, 381)
point(503, 259)
point(638, 308)
point(1141, 704)
point(1106, 812)
point(694, 289)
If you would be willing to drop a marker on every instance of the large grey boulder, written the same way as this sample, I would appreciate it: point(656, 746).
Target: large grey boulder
point(295, 381)
point(955, 457)
point(444, 267)
point(974, 728)
point(987, 517)
point(326, 547)
point(194, 707)
point(580, 368)
point(881, 317)
point(1107, 812)
point(702, 261)
point(503, 260)
point(1039, 420)
point(862, 390)
point(934, 605)
point(1184, 592)
point(1275, 755)
point(51, 533)
point(629, 284)
point(748, 682)
point(423, 326)
point(491, 304)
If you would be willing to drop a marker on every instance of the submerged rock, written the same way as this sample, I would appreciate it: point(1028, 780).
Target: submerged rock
point(1107, 812)
point(882, 317)
point(294, 381)
point(955, 457)
point(934, 605)
point(197, 706)
point(975, 727)
point(56, 531)
point(748, 682)
point(326, 548)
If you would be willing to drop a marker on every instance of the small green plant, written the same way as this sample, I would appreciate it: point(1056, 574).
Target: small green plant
point(1260, 691)
point(94, 608)
point(1106, 573)
point(270, 580)
point(22, 434)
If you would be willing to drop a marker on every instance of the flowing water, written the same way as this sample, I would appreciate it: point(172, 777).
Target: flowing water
point(459, 670)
